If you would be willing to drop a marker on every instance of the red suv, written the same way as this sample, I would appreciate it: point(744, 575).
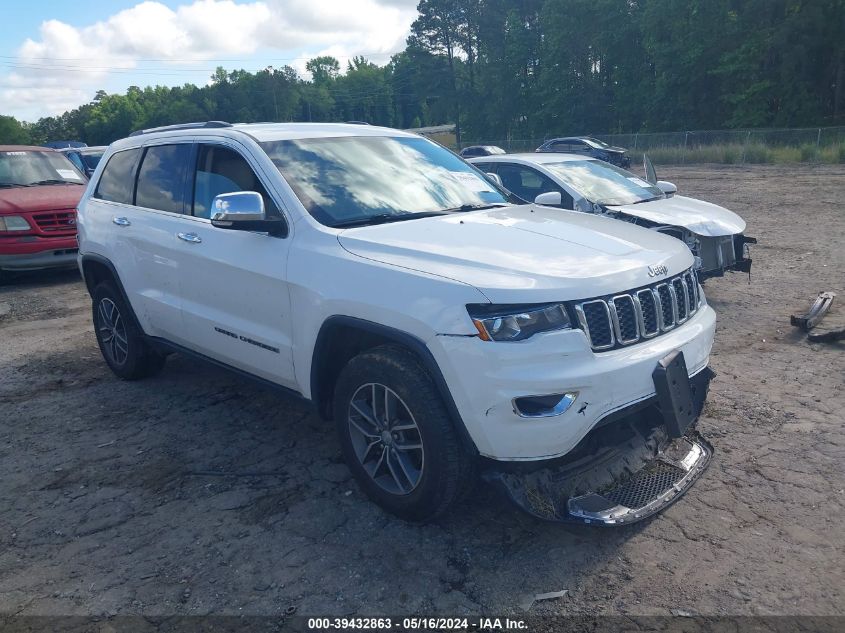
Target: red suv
point(39, 191)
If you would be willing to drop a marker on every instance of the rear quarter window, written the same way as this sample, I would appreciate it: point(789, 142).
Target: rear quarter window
point(117, 183)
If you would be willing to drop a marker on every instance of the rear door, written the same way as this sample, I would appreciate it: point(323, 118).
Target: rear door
point(149, 226)
point(128, 236)
point(235, 297)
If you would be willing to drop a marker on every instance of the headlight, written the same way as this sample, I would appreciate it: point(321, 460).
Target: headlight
point(14, 223)
point(517, 322)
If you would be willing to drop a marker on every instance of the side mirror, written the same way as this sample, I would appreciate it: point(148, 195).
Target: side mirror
point(244, 211)
point(495, 178)
point(667, 187)
point(549, 199)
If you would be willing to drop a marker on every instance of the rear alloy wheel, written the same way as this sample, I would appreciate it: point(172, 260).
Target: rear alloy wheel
point(397, 435)
point(122, 344)
point(111, 330)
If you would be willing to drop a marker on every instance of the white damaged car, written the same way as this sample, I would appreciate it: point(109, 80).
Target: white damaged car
point(714, 234)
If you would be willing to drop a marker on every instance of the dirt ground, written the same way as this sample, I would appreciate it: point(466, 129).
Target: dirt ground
point(197, 492)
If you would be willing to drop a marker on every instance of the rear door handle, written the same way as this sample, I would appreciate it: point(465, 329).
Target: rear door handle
point(121, 221)
point(193, 238)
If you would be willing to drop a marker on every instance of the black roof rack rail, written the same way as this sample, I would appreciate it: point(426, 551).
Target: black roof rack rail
point(182, 126)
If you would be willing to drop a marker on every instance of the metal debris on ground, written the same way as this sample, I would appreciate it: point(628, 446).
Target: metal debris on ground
point(831, 336)
point(528, 601)
point(817, 311)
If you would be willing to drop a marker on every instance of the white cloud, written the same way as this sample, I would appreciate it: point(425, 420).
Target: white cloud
point(151, 43)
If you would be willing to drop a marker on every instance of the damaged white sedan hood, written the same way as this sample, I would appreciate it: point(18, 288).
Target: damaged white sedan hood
point(699, 217)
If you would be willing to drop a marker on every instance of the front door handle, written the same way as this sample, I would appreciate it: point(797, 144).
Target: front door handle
point(193, 238)
point(121, 221)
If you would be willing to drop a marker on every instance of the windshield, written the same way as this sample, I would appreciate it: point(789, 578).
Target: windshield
point(27, 168)
point(604, 183)
point(346, 179)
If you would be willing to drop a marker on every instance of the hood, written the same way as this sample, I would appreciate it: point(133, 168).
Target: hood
point(524, 254)
point(702, 218)
point(40, 198)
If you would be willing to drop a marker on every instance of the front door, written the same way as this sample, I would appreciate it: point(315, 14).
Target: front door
point(233, 284)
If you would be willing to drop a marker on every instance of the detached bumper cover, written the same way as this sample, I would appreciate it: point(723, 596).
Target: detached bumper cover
point(653, 488)
point(650, 490)
point(623, 472)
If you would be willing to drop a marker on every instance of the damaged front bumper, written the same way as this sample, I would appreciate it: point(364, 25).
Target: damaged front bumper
point(718, 255)
point(653, 488)
point(625, 470)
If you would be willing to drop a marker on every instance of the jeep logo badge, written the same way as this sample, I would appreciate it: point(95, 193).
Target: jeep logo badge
point(656, 271)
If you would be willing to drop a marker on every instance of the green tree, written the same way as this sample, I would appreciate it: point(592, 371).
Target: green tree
point(13, 132)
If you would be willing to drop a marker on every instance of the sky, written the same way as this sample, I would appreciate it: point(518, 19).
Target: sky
point(54, 56)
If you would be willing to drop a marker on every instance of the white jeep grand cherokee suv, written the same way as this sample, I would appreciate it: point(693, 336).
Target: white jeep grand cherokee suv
point(446, 330)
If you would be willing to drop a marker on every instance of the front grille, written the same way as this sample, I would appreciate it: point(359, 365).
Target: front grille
point(628, 318)
point(56, 221)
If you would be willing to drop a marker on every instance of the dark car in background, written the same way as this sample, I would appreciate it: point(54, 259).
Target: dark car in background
point(85, 158)
point(474, 151)
point(587, 146)
point(39, 191)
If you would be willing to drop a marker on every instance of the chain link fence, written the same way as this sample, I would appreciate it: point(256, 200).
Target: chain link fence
point(826, 144)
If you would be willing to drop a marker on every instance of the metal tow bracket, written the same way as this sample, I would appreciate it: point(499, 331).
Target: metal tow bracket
point(817, 311)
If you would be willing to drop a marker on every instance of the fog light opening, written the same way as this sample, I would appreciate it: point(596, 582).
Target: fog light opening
point(544, 406)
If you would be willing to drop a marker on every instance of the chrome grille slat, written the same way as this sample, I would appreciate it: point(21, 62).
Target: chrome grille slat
point(631, 317)
point(681, 302)
point(625, 321)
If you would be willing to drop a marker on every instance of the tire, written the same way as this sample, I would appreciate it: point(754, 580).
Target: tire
point(121, 343)
point(415, 484)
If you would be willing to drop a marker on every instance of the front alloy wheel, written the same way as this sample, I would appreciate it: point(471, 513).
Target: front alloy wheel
point(386, 439)
point(397, 435)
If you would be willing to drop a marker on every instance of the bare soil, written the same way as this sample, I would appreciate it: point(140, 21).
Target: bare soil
point(198, 492)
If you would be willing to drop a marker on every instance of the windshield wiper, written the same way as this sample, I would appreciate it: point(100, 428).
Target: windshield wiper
point(474, 207)
point(9, 185)
point(648, 200)
point(53, 181)
point(384, 218)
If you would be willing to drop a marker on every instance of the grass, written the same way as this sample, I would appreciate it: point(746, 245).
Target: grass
point(752, 153)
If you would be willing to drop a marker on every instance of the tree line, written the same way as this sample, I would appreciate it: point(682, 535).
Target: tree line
point(503, 69)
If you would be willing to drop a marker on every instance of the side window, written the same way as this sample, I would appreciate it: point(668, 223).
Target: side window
point(118, 180)
point(561, 147)
point(578, 146)
point(528, 183)
point(161, 179)
point(489, 168)
point(222, 170)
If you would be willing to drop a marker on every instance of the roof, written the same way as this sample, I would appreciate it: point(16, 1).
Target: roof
point(287, 131)
point(433, 129)
point(539, 158)
point(263, 132)
point(25, 148)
